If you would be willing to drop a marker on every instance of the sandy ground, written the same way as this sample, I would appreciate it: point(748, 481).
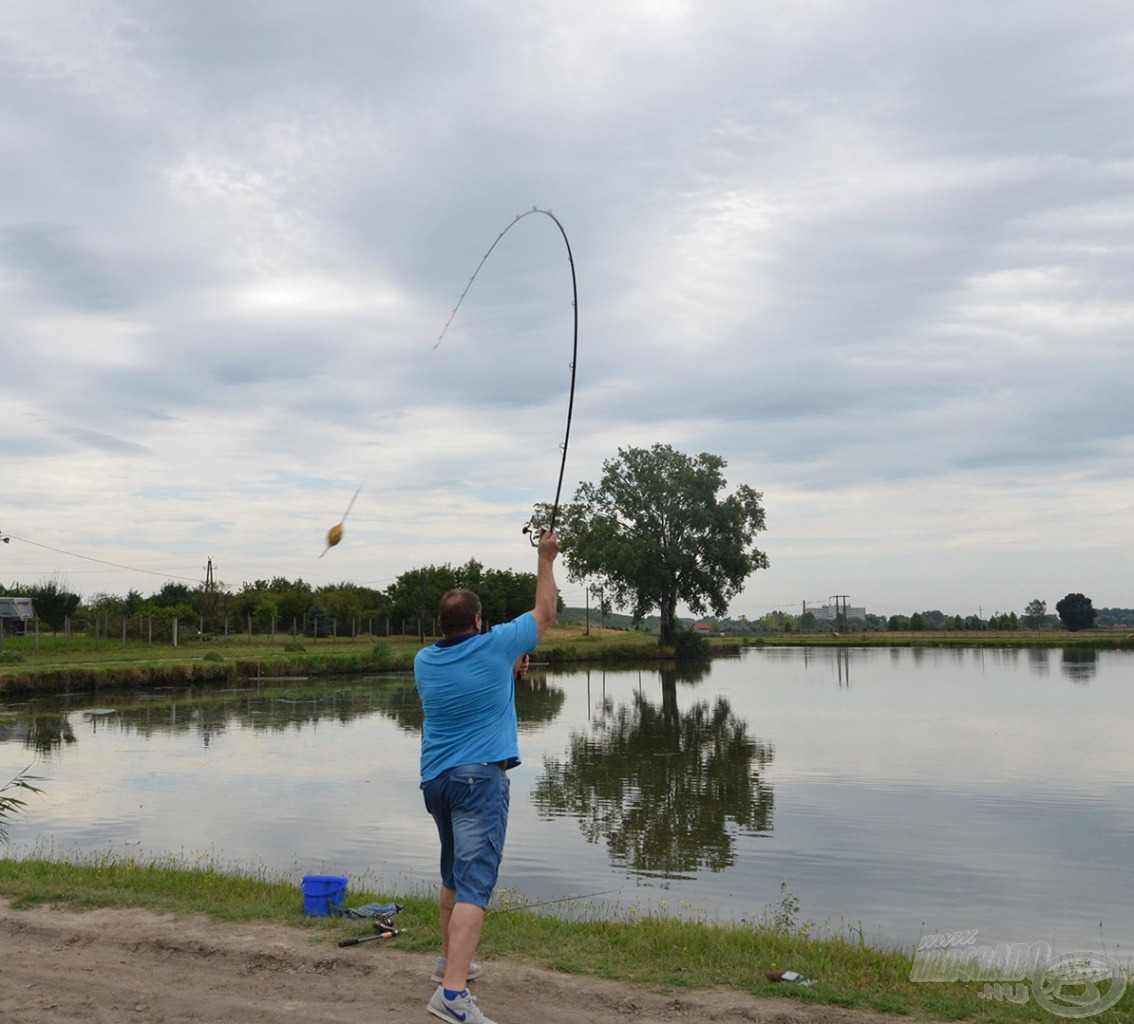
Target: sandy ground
point(106, 966)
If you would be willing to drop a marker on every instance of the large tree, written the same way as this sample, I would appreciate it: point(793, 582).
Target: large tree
point(656, 532)
point(1076, 612)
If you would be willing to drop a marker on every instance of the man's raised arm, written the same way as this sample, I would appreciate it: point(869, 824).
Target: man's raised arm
point(546, 593)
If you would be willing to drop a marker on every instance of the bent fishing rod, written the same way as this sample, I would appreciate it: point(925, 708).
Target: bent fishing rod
point(533, 530)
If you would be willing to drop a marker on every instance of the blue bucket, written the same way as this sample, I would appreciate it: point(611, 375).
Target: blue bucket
point(323, 895)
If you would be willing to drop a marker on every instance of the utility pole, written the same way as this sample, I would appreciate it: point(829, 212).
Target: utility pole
point(5, 540)
point(841, 616)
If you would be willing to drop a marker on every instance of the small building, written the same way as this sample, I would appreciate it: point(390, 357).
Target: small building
point(16, 613)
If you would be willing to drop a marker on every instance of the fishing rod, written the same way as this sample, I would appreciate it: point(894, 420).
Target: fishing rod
point(533, 530)
point(384, 925)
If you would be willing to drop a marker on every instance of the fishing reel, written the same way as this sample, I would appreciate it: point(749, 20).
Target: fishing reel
point(534, 532)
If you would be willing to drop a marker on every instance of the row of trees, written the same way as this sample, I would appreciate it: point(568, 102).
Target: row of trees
point(407, 605)
point(1074, 612)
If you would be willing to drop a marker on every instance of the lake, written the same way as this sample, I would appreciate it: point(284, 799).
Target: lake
point(898, 791)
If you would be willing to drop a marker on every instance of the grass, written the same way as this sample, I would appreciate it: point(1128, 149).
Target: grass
point(655, 952)
point(54, 662)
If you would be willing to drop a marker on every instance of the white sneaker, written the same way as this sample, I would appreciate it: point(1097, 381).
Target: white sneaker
point(475, 970)
point(463, 1009)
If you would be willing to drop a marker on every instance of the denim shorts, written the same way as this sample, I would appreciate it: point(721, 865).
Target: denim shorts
point(470, 806)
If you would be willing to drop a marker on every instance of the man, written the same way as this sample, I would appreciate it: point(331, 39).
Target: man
point(469, 741)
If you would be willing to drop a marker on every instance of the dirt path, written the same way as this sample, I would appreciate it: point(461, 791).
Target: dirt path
point(107, 966)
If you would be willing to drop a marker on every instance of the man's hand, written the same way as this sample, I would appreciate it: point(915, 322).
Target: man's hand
point(548, 544)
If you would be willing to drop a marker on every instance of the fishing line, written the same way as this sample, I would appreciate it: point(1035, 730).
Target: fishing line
point(548, 903)
point(532, 528)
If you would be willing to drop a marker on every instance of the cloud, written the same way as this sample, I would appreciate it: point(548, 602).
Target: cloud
point(876, 258)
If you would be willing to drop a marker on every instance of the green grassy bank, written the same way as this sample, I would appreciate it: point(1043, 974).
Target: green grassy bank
point(53, 663)
point(656, 952)
point(50, 663)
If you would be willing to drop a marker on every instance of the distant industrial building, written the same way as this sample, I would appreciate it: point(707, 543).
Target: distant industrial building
point(830, 612)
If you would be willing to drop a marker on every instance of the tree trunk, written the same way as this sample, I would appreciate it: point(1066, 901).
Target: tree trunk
point(668, 608)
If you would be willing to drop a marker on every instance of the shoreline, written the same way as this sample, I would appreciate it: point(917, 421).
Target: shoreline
point(138, 666)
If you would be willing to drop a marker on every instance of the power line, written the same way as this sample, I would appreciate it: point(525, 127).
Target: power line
point(101, 561)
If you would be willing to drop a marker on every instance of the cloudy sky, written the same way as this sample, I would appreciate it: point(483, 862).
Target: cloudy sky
point(877, 255)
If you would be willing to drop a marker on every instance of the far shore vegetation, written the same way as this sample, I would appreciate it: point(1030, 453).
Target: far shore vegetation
point(45, 662)
point(671, 950)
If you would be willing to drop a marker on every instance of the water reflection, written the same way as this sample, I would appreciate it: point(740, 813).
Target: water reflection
point(537, 702)
point(41, 733)
point(842, 659)
point(210, 714)
point(1080, 665)
point(667, 791)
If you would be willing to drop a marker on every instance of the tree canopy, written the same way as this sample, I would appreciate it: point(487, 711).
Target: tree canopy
point(1035, 614)
point(655, 532)
point(1076, 612)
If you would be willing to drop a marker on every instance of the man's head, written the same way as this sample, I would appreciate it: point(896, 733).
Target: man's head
point(459, 613)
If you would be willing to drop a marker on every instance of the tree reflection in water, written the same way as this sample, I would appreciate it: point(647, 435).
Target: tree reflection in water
point(667, 790)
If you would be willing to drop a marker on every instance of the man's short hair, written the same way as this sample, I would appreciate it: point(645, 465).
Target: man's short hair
point(458, 612)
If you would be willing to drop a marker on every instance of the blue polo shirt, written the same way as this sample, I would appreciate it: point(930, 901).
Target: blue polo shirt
point(469, 696)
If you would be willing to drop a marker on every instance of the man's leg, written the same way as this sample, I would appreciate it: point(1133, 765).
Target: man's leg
point(448, 898)
point(478, 803)
point(460, 938)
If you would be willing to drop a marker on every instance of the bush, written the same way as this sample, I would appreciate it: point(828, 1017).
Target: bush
point(11, 658)
point(294, 647)
point(690, 646)
point(213, 656)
